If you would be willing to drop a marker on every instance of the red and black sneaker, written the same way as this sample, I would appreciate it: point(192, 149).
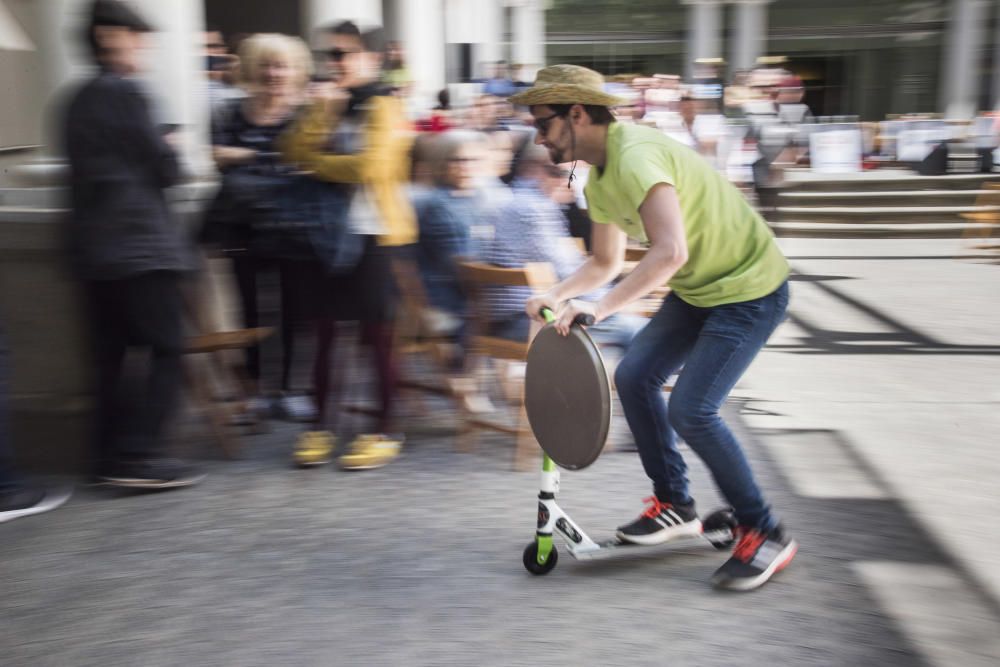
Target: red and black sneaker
point(757, 557)
point(661, 522)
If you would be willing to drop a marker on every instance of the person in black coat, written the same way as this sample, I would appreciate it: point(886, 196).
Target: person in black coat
point(129, 252)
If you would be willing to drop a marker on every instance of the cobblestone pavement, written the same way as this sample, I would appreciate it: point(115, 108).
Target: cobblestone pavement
point(419, 563)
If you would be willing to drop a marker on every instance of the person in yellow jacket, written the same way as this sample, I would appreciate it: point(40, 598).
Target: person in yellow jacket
point(356, 133)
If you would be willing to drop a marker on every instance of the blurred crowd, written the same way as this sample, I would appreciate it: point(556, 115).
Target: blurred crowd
point(339, 206)
point(334, 188)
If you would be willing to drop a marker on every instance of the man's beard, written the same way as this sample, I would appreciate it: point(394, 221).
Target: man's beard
point(556, 155)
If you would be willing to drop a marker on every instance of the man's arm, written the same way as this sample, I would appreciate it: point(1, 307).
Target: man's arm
point(664, 225)
point(141, 139)
point(604, 264)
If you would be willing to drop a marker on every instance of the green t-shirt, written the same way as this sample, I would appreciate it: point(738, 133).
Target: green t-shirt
point(732, 255)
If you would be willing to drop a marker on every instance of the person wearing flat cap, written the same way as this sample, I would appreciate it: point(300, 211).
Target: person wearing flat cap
point(728, 292)
point(128, 251)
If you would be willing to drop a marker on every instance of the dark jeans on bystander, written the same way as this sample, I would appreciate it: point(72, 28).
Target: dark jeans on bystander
point(144, 310)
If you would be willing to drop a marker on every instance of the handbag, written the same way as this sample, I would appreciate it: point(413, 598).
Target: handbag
point(304, 218)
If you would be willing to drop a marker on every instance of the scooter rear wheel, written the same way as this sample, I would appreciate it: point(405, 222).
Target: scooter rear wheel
point(721, 520)
point(531, 563)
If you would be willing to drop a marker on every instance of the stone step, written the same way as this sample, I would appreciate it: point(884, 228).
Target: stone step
point(886, 215)
point(883, 198)
point(883, 180)
point(944, 230)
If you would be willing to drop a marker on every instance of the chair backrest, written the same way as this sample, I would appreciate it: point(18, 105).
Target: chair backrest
point(475, 277)
point(991, 196)
point(412, 298)
point(635, 253)
point(987, 204)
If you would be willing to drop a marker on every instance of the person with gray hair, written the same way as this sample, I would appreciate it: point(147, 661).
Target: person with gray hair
point(533, 228)
point(453, 219)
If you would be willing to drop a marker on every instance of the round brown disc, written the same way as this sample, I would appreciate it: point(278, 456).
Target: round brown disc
point(568, 396)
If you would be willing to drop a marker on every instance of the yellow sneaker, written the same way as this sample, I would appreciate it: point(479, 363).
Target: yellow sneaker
point(371, 451)
point(314, 448)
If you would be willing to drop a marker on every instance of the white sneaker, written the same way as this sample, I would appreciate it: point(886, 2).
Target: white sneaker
point(26, 501)
point(298, 408)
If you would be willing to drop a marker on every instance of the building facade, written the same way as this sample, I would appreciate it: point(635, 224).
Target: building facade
point(867, 58)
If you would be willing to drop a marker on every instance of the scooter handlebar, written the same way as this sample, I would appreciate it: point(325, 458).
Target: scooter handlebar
point(582, 319)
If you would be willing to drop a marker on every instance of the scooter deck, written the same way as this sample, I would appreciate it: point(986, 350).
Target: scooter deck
point(616, 547)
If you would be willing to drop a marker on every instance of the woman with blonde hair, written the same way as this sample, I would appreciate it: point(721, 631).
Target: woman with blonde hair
point(274, 71)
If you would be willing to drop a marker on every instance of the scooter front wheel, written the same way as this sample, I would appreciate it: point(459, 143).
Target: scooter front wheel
point(531, 563)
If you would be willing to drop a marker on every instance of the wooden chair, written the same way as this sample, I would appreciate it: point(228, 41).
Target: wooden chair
point(649, 304)
point(220, 414)
point(416, 338)
point(210, 368)
point(986, 221)
point(484, 348)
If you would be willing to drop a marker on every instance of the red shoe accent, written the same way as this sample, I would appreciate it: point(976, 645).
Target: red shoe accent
point(748, 542)
point(655, 507)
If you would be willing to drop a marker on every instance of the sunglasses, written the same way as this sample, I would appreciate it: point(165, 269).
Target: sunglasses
point(542, 124)
point(337, 55)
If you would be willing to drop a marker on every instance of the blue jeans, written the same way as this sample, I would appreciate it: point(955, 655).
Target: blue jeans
point(715, 346)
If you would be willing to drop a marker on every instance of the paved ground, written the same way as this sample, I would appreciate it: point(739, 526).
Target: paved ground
point(871, 420)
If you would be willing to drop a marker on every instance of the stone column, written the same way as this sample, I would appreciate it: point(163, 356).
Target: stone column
point(491, 48)
point(960, 73)
point(53, 28)
point(749, 31)
point(421, 30)
point(704, 28)
point(12, 35)
point(995, 84)
point(319, 13)
point(529, 36)
point(479, 23)
point(175, 76)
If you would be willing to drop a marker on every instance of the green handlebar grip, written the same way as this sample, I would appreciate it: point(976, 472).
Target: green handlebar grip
point(584, 319)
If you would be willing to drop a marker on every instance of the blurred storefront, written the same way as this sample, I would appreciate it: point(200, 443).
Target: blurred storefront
point(869, 58)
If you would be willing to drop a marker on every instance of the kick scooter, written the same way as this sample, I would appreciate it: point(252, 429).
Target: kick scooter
point(568, 401)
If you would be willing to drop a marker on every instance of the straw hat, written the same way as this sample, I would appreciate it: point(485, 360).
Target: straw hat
point(567, 84)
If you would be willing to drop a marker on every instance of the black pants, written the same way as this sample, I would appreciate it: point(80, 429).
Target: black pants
point(143, 311)
point(8, 477)
point(247, 269)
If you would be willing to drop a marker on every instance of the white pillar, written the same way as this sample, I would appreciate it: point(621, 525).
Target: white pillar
point(995, 97)
point(476, 22)
point(320, 13)
point(55, 27)
point(704, 26)
point(174, 72)
point(12, 35)
point(421, 30)
point(960, 74)
point(749, 31)
point(490, 49)
point(529, 36)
